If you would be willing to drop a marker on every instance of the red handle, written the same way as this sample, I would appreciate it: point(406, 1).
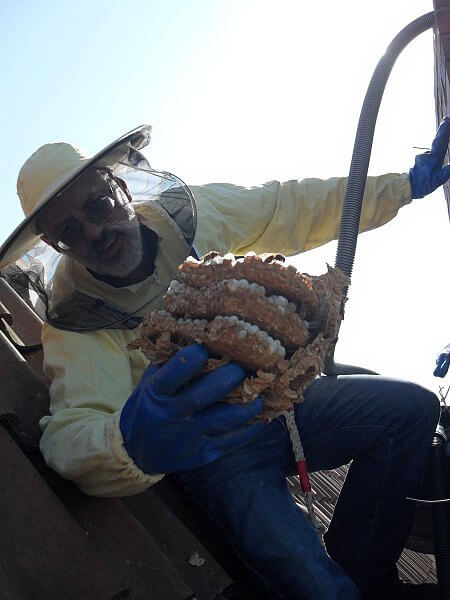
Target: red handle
point(302, 470)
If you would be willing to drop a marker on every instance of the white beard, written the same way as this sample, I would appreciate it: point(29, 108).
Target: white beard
point(131, 251)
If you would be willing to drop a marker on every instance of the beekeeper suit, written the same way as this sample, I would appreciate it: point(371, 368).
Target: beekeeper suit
point(108, 233)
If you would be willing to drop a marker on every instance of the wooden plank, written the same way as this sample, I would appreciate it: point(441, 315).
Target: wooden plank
point(131, 552)
point(5, 314)
point(168, 492)
point(206, 577)
point(23, 328)
point(44, 554)
point(26, 323)
point(21, 392)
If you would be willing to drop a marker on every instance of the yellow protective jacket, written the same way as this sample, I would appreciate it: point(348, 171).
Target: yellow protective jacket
point(93, 374)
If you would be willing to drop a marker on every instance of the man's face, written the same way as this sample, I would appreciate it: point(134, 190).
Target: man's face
point(93, 222)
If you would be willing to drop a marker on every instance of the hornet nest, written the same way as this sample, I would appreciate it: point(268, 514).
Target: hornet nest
point(277, 323)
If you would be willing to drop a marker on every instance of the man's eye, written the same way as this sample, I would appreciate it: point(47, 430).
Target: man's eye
point(100, 207)
point(69, 231)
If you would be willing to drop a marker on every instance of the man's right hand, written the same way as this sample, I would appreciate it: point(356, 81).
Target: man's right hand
point(172, 424)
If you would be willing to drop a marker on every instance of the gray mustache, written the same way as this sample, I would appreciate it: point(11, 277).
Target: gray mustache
point(118, 227)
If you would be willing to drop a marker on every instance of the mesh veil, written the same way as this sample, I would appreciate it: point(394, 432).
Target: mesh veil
point(70, 295)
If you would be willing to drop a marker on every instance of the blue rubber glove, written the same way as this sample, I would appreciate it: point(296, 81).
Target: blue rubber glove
point(427, 173)
point(442, 362)
point(172, 424)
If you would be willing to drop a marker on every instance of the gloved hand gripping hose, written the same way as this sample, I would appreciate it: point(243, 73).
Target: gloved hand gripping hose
point(362, 149)
point(442, 362)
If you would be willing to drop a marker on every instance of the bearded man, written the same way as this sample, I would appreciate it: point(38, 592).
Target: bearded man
point(109, 232)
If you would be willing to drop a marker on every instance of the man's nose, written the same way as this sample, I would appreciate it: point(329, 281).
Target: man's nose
point(92, 231)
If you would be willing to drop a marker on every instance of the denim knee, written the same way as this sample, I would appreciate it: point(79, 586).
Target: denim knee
point(411, 404)
point(423, 404)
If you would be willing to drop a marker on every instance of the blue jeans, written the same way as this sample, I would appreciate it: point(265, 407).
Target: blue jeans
point(385, 427)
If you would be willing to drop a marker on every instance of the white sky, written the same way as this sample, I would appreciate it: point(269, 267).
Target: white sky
point(248, 91)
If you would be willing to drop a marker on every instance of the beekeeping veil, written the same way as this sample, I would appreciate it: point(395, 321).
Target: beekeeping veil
point(131, 209)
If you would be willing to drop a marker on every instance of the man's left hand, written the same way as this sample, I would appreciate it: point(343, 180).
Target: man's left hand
point(442, 362)
point(427, 174)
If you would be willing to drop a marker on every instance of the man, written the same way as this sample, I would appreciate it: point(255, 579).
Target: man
point(118, 424)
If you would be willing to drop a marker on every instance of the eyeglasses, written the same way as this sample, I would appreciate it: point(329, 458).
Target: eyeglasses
point(96, 210)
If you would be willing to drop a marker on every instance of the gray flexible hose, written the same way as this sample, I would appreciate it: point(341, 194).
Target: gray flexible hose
point(362, 149)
